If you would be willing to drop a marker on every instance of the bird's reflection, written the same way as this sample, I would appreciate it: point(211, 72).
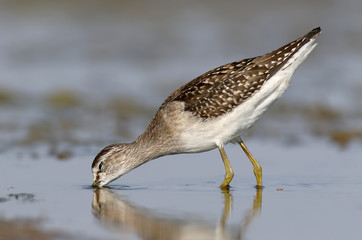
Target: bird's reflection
point(114, 211)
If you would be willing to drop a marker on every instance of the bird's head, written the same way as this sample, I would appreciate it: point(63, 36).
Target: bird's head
point(110, 163)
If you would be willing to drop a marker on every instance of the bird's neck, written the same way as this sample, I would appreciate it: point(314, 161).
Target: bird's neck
point(158, 140)
point(137, 153)
point(148, 147)
point(152, 145)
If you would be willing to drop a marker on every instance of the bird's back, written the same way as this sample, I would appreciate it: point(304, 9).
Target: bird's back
point(222, 89)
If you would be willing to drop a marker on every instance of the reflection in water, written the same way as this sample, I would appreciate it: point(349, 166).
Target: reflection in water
point(115, 212)
point(255, 210)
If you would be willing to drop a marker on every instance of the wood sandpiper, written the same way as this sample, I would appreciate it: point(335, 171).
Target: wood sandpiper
point(210, 111)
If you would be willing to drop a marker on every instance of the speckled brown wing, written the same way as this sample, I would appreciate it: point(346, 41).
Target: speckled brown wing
point(222, 89)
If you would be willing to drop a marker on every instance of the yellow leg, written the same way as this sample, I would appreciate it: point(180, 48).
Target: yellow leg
point(229, 171)
point(257, 167)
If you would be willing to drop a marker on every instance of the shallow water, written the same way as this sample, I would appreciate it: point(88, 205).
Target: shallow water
point(78, 76)
point(311, 191)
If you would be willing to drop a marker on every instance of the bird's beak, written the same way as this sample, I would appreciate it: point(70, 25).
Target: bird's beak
point(95, 184)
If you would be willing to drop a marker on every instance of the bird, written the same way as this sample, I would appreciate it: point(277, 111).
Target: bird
point(209, 112)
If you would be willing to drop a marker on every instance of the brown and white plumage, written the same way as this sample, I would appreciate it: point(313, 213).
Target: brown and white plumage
point(210, 111)
point(222, 89)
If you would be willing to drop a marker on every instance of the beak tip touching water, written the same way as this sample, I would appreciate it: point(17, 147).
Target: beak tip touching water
point(95, 184)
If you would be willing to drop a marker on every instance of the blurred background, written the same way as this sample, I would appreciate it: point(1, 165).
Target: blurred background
point(94, 72)
point(78, 75)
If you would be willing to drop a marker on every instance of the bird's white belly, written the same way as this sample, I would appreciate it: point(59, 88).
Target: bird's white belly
point(199, 135)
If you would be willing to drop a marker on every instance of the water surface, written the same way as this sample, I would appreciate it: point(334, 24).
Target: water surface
point(76, 76)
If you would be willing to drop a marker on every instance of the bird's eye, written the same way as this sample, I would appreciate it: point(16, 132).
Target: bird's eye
point(101, 166)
